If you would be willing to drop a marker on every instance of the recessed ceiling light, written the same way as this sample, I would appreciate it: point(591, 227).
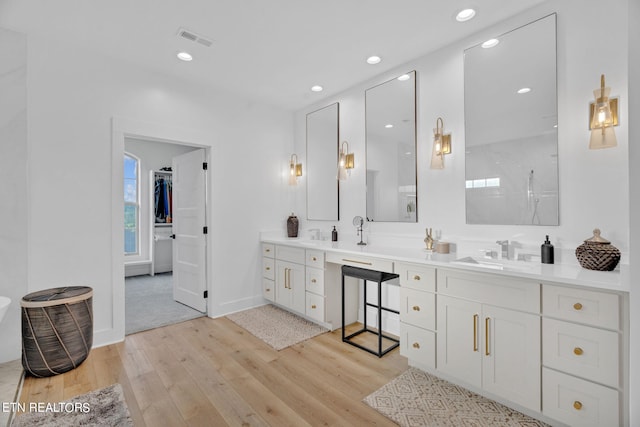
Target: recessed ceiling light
point(389, 126)
point(184, 56)
point(465, 15)
point(317, 88)
point(404, 77)
point(524, 90)
point(373, 60)
point(490, 43)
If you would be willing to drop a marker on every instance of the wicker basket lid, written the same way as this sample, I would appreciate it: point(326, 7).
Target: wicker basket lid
point(597, 238)
point(55, 296)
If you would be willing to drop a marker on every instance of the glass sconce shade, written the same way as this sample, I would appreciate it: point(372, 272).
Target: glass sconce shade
point(295, 170)
point(603, 117)
point(441, 145)
point(346, 161)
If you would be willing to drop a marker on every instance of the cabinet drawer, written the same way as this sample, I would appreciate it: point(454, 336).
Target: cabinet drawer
point(315, 258)
point(418, 308)
point(578, 402)
point(580, 350)
point(418, 345)
point(287, 253)
point(361, 261)
point(516, 294)
point(268, 268)
point(315, 281)
point(315, 307)
point(268, 250)
point(417, 276)
point(580, 305)
point(268, 289)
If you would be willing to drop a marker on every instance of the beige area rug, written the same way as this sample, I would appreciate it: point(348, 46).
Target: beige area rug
point(278, 328)
point(104, 407)
point(416, 398)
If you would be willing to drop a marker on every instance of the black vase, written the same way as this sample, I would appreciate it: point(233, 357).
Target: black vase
point(292, 226)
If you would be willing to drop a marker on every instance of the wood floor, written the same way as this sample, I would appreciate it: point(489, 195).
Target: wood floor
point(211, 372)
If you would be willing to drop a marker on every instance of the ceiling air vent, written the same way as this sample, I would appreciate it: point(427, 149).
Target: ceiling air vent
point(192, 36)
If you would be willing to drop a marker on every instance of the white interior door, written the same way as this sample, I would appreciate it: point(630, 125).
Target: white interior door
point(189, 222)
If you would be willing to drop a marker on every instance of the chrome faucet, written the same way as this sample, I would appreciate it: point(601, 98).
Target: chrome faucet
point(504, 244)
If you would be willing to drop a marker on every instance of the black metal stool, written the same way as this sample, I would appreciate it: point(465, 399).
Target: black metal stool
point(372, 276)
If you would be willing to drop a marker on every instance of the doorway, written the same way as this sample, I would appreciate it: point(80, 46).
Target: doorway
point(165, 219)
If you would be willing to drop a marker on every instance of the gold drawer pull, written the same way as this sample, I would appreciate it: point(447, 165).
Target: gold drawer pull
point(416, 308)
point(416, 345)
point(356, 261)
point(475, 332)
point(314, 259)
point(577, 404)
point(486, 337)
point(268, 289)
point(313, 280)
point(268, 268)
point(578, 351)
point(416, 277)
point(313, 306)
point(267, 250)
point(577, 306)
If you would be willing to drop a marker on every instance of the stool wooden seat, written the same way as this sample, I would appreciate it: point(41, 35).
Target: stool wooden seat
point(373, 276)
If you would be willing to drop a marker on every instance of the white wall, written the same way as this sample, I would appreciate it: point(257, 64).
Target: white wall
point(72, 97)
point(13, 185)
point(593, 184)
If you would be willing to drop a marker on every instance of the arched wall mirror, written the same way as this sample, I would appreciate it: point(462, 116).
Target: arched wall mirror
point(390, 112)
point(511, 127)
point(322, 159)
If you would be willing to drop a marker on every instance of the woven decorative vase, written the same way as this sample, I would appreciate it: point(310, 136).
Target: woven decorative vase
point(597, 253)
point(57, 329)
point(292, 226)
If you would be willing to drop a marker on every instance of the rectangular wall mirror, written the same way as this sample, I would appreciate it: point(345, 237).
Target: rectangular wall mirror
point(390, 113)
point(323, 129)
point(511, 125)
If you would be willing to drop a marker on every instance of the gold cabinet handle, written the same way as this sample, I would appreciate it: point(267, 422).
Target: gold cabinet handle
point(578, 351)
point(577, 306)
point(577, 404)
point(267, 250)
point(268, 289)
point(416, 345)
point(268, 268)
point(314, 259)
point(356, 261)
point(416, 308)
point(475, 332)
point(313, 306)
point(313, 280)
point(416, 277)
point(486, 336)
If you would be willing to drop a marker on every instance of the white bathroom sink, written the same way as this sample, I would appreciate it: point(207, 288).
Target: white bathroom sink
point(4, 306)
point(505, 265)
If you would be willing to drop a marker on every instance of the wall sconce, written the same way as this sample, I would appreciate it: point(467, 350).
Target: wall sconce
point(603, 116)
point(295, 170)
point(441, 145)
point(346, 161)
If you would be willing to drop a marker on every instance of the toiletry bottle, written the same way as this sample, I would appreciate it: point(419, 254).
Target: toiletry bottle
point(334, 234)
point(546, 252)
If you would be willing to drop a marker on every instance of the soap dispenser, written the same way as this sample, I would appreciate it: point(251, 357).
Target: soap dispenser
point(334, 234)
point(546, 252)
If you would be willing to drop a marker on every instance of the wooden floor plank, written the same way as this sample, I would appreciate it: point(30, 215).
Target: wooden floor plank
point(212, 372)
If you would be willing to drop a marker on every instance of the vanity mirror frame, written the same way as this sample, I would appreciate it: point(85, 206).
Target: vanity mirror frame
point(322, 144)
point(511, 137)
point(386, 104)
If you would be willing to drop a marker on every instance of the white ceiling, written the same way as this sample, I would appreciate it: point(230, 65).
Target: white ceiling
point(271, 51)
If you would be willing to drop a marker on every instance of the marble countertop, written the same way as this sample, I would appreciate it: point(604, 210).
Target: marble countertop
point(548, 273)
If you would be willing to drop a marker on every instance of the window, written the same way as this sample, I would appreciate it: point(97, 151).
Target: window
point(131, 205)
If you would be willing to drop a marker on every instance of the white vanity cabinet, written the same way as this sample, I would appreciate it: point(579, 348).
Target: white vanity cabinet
point(418, 313)
point(268, 271)
point(488, 334)
point(290, 278)
point(581, 356)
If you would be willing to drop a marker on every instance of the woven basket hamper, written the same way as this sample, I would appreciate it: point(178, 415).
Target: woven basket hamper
point(57, 329)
